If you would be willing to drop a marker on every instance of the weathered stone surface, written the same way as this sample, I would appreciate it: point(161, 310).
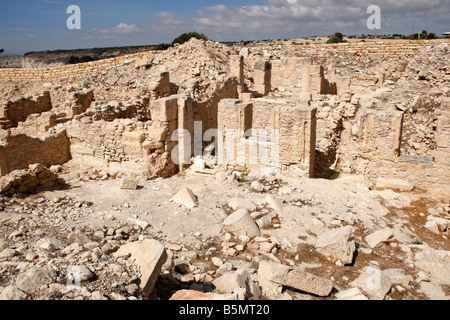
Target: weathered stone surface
point(235, 282)
point(128, 183)
point(240, 203)
point(186, 198)
point(12, 293)
point(351, 294)
point(295, 278)
point(197, 295)
point(397, 276)
point(241, 223)
point(337, 243)
point(373, 282)
point(34, 279)
point(149, 256)
point(378, 237)
point(397, 184)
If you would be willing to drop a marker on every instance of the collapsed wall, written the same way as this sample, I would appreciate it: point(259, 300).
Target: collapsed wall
point(19, 151)
point(13, 112)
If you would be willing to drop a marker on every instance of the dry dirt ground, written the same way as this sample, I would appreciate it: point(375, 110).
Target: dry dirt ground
point(101, 216)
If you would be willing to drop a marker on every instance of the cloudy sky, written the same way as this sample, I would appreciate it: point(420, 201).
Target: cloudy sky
point(38, 25)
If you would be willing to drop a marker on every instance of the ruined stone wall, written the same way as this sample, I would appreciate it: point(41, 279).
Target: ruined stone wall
point(19, 151)
point(380, 48)
point(285, 140)
point(38, 74)
point(137, 148)
point(376, 150)
point(13, 112)
point(207, 111)
point(301, 73)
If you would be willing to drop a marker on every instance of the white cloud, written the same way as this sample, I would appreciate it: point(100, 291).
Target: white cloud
point(279, 18)
point(122, 28)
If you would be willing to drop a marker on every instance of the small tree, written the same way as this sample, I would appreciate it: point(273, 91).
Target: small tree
point(336, 38)
point(185, 37)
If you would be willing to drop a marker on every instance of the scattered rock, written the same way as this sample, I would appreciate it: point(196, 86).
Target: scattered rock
point(241, 223)
point(378, 237)
point(197, 295)
point(295, 278)
point(373, 282)
point(338, 244)
point(128, 183)
point(149, 256)
point(240, 203)
point(351, 294)
point(34, 279)
point(12, 293)
point(186, 198)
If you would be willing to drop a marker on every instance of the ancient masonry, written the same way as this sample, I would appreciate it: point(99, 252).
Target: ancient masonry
point(252, 126)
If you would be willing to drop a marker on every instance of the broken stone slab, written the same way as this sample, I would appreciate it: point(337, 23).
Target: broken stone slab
point(12, 293)
point(437, 225)
point(234, 281)
point(398, 276)
point(241, 223)
point(396, 184)
point(274, 203)
point(294, 278)
point(351, 294)
point(34, 279)
point(338, 244)
point(128, 184)
point(186, 198)
point(374, 239)
point(240, 203)
point(373, 282)
point(197, 295)
point(149, 255)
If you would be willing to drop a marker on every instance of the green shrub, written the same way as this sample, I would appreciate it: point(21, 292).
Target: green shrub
point(336, 38)
point(185, 37)
point(163, 46)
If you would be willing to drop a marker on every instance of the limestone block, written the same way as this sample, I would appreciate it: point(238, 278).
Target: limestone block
point(373, 282)
point(149, 255)
point(165, 109)
point(128, 184)
point(186, 198)
point(378, 237)
point(241, 203)
point(338, 244)
point(295, 278)
point(188, 295)
point(241, 223)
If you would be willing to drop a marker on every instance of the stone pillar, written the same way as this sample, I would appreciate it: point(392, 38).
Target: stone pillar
point(234, 124)
point(306, 86)
point(263, 76)
point(298, 140)
point(185, 130)
point(237, 70)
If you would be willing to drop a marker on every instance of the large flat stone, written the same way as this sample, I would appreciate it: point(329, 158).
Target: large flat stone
point(294, 278)
point(149, 255)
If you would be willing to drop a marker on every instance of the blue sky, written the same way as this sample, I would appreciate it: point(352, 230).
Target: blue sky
point(37, 25)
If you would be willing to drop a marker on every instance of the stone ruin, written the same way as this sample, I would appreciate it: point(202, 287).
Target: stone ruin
point(288, 95)
point(219, 109)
